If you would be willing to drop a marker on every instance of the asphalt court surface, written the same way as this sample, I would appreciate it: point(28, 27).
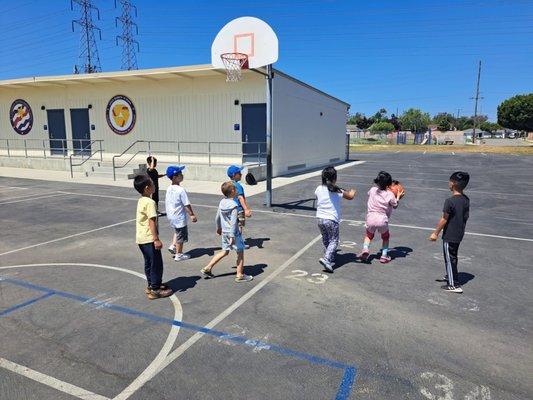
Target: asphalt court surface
point(75, 322)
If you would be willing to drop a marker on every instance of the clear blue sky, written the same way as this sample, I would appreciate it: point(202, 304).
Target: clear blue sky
point(395, 54)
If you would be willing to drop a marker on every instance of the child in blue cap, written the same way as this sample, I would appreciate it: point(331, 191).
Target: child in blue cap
point(177, 207)
point(243, 211)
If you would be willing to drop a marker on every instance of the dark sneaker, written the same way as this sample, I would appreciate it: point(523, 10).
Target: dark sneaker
point(159, 294)
point(207, 273)
point(443, 279)
point(385, 259)
point(327, 265)
point(454, 289)
point(364, 254)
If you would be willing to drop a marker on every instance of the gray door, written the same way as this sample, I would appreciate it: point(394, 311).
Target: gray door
point(81, 130)
point(57, 132)
point(253, 131)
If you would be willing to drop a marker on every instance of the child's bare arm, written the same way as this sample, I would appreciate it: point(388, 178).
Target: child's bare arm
point(153, 229)
point(191, 213)
point(440, 226)
point(244, 204)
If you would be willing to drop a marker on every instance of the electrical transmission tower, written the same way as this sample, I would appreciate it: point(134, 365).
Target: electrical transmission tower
point(129, 56)
point(89, 61)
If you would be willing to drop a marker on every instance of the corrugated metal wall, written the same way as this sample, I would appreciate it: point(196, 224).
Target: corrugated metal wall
point(185, 109)
point(309, 128)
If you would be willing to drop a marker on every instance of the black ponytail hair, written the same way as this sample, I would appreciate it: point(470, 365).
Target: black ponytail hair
point(329, 177)
point(384, 180)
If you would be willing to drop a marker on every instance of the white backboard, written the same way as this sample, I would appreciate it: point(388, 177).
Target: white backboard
point(248, 35)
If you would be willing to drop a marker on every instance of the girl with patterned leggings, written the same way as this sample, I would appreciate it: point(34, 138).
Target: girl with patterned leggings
point(328, 213)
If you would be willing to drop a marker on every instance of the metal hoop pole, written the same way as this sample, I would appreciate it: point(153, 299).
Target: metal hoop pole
point(268, 201)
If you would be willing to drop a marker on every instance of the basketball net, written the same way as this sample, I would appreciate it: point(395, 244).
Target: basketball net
point(234, 64)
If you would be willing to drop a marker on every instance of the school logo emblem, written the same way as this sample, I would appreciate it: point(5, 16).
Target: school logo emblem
point(120, 114)
point(21, 117)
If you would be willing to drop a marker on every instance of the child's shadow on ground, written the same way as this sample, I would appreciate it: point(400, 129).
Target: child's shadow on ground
point(256, 242)
point(183, 283)
point(394, 252)
point(203, 251)
point(465, 277)
point(253, 270)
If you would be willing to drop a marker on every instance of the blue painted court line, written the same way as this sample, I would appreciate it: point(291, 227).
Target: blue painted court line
point(26, 303)
point(349, 371)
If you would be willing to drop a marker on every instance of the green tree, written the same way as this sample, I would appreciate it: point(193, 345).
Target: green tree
point(394, 121)
point(444, 121)
point(489, 126)
point(381, 127)
point(464, 123)
point(360, 120)
point(415, 120)
point(380, 115)
point(517, 113)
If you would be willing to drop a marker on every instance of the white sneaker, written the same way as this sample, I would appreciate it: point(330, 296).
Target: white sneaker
point(182, 257)
point(172, 250)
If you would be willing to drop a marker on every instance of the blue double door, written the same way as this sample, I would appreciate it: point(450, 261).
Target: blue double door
point(81, 131)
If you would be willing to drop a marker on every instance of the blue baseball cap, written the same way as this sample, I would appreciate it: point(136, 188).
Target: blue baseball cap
point(174, 170)
point(233, 169)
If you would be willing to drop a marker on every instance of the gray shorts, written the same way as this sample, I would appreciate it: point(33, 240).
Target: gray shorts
point(182, 234)
point(238, 245)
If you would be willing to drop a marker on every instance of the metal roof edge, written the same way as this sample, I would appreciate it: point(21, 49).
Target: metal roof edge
point(110, 74)
point(277, 71)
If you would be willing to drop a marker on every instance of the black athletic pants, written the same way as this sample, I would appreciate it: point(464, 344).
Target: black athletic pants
point(450, 260)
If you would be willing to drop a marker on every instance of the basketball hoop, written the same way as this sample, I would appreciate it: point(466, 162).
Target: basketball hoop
point(234, 63)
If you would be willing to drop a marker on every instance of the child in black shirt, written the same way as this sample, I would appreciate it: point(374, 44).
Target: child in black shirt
point(151, 164)
point(453, 222)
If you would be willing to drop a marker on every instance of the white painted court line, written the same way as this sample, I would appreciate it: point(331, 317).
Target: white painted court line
point(3, 187)
point(32, 198)
point(50, 381)
point(66, 237)
point(24, 196)
point(312, 216)
point(167, 346)
point(220, 317)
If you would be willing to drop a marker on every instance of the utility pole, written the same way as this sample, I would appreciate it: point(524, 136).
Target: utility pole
point(477, 99)
point(89, 59)
point(129, 57)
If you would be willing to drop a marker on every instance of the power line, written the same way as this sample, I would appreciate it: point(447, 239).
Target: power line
point(129, 57)
point(89, 59)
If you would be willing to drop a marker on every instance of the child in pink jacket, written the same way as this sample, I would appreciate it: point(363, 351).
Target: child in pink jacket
point(381, 201)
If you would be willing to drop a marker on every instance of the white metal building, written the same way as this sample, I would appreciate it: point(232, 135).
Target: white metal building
point(190, 110)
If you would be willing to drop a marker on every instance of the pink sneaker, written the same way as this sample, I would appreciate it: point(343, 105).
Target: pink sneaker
point(385, 259)
point(364, 254)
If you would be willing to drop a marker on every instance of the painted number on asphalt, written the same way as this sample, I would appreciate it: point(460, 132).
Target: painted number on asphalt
point(315, 278)
point(441, 388)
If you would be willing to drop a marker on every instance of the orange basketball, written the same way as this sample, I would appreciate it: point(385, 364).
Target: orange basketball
point(397, 187)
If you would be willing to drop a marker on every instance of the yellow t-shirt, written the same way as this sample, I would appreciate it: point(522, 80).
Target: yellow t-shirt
point(145, 211)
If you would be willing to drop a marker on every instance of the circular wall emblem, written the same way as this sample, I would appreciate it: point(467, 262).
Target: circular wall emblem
point(120, 114)
point(21, 117)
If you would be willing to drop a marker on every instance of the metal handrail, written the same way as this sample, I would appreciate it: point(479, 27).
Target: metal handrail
point(100, 150)
point(179, 151)
point(43, 146)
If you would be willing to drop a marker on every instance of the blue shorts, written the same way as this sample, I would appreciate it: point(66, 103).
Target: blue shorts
point(238, 246)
